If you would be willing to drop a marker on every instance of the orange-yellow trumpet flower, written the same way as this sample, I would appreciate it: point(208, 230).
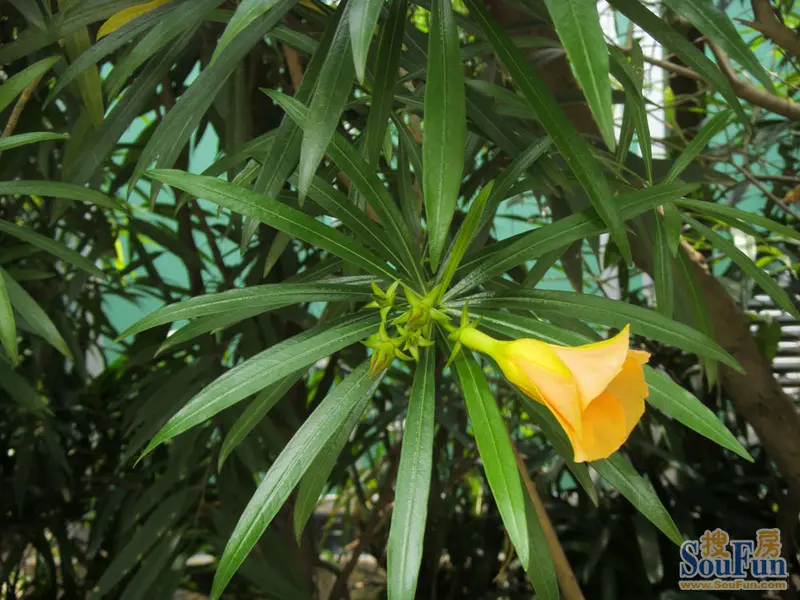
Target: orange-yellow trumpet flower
point(596, 391)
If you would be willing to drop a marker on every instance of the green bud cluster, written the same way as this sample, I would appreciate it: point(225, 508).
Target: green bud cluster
point(411, 330)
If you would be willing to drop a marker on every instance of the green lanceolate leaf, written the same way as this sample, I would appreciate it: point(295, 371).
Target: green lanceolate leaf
point(662, 268)
point(761, 277)
point(671, 399)
point(541, 267)
point(540, 568)
point(246, 14)
point(174, 130)
point(618, 472)
point(613, 313)
point(363, 18)
point(313, 482)
point(689, 294)
point(16, 84)
point(511, 175)
point(497, 259)
point(578, 26)
point(20, 390)
point(258, 409)
point(683, 48)
point(672, 226)
point(622, 70)
point(445, 127)
point(368, 184)
point(8, 327)
point(201, 325)
point(23, 139)
point(330, 95)
point(350, 396)
point(266, 297)
point(390, 46)
point(573, 149)
point(105, 46)
point(714, 125)
point(407, 531)
point(464, 237)
point(284, 153)
point(101, 141)
point(720, 30)
point(336, 204)
point(277, 215)
point(495, 451)
point(57, 189)
point(164, 517)
point(169, 26)
point(265, 368)
point(33, 314)
point(733, 216)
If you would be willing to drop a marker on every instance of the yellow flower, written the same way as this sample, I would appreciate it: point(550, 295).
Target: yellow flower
point(596, 391)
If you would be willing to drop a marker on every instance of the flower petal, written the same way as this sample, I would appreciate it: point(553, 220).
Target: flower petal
point(630, 389)
point(595, 365)
point(611, 417)
point(533, 367)
point(604, 429)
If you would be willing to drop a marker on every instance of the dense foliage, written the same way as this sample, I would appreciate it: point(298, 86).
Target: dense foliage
point(291, 400)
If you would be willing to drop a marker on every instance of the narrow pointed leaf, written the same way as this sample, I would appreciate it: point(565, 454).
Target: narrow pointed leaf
point(445, 127)
point(327, 103)
point(246, 13)
point(251, 417)
point(363, 18)
point(390, 46)
point(173, 132)
point(277, 215)
point(23, 139)
point(683, 48)
point(33, 314)
point(350, 396)
point(265, 368)
point(407, 531)
point(368, 184)
point(572, 148)
point(264, 297)
point(502, 256)
point(622, 70)
point(21, 391)
point(540, 568)
point(495, 451)
point(731, 216)
point(671, 399)
point(58, 189)
point(313, 482)
point(284, 153)
point(618, 472)
point(8, 327)
point(16, 84)
point(578, 27)
point(761, 277)
point(662, 268)
point(719, 29)
point(699, 142)
point(465, 236)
